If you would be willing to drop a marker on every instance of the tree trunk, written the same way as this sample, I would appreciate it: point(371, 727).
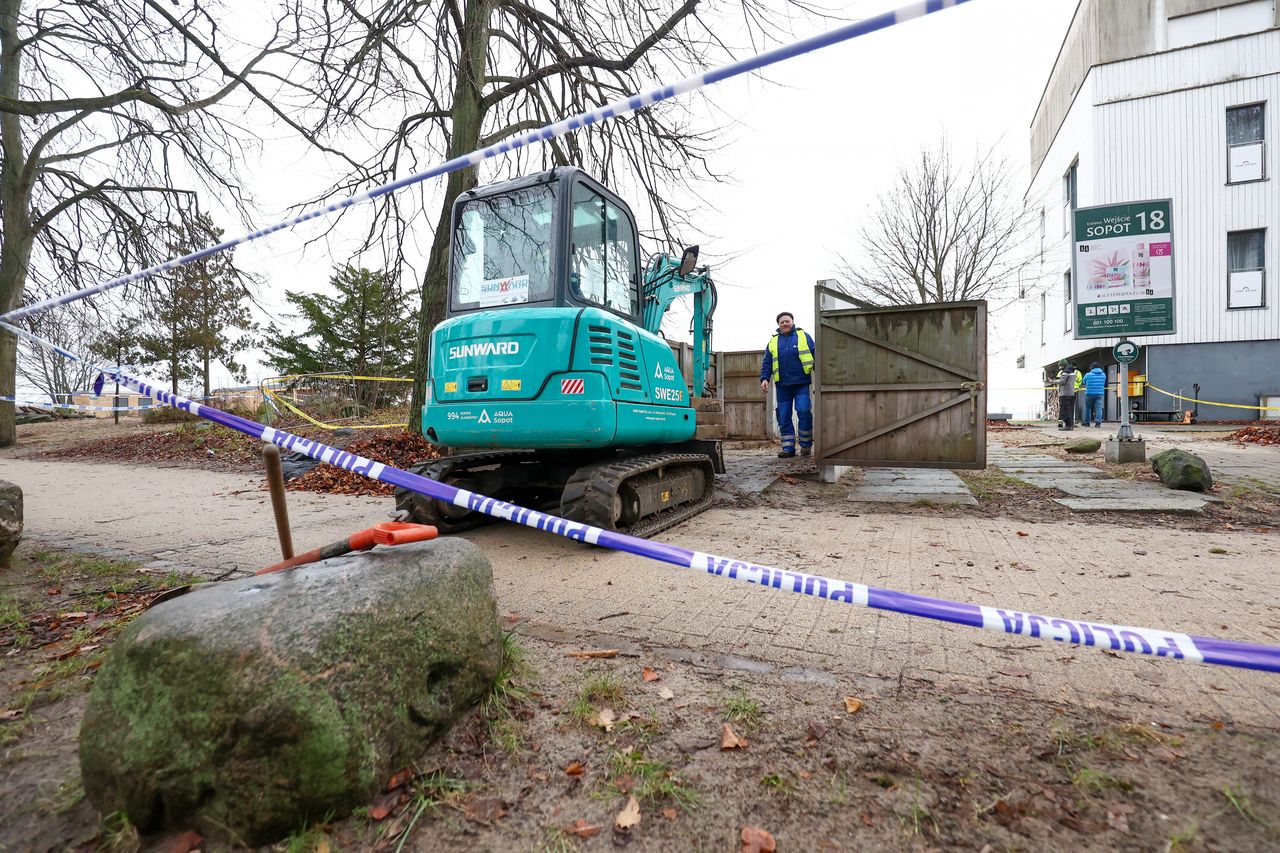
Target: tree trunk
point(16, 236)
point(467, 120)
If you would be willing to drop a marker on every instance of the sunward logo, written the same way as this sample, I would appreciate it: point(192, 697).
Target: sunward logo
point(486, 348)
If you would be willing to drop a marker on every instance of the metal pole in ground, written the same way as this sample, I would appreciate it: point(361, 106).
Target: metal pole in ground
point(275, 482)
point(1125, 433)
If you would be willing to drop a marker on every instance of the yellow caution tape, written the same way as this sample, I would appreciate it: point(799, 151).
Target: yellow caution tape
point(275, 398)
point(337, 376)
point(1212, 403)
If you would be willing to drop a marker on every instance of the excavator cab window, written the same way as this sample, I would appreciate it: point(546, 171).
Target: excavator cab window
point(602, 257)
point(502, 250)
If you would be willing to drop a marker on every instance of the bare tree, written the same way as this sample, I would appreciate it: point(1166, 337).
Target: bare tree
point(112, 115)
point(423, 81)
point(943, 233)
point(74, 327)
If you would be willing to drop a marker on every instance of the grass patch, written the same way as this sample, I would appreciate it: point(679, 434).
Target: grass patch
point(599, 687)
point(1180, 842)
point(1090, 781)
point(68, 564)
point(1113, 740)
point(1216, 550)
point(430, 793)
point(741, 708)
point(1244, 807)
point(509, 691)
point(991, 483)
point(919, 819)
point(650, 779)
point(776, 783)
point(118, 834)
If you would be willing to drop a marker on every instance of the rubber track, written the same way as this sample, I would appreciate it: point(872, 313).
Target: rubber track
point(588, 496)
point(424, 510)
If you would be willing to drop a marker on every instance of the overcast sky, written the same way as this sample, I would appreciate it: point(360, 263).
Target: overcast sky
point(811, 151)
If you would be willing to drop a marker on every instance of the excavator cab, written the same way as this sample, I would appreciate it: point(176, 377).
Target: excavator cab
point(548, 370)
point(556, 239)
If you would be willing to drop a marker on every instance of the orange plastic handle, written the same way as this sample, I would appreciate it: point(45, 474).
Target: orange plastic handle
point(402, 532)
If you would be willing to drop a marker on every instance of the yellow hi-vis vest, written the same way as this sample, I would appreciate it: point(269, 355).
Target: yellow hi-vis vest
point(802, 347)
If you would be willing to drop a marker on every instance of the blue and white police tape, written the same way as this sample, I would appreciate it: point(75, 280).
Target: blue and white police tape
point(542, 134)
point(76, 406)
point(1120, 638)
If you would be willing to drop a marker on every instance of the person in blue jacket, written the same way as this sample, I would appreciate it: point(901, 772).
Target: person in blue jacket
point(1095, 385)
point(788, 363)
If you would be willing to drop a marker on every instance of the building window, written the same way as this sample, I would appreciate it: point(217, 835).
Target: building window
point(1042, 235)
point(1042, 315)
point(1069, 196)
point(1246, 269)
point(1246, 143)
point(1066, 298)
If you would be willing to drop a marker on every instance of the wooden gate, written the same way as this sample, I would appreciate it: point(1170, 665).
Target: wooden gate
point(902, 386)
point(747, 412)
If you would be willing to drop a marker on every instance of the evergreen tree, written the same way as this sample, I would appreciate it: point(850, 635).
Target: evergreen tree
point(198, 312)
point(367, 329)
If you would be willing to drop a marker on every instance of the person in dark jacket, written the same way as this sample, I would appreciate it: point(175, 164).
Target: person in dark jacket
point(1095, 385)
point(1066, 394)
point(788, 363)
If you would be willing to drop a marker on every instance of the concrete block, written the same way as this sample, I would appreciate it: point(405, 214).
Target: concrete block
point(831, 473)
point(1122, 452)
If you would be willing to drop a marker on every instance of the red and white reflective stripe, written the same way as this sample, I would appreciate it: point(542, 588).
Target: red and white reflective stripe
point(573, 386)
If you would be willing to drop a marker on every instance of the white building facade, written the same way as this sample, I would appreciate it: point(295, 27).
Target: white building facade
point(1178, 100)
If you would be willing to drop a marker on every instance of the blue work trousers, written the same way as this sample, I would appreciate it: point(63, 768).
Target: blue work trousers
point(796, 396)
point(1092, 409)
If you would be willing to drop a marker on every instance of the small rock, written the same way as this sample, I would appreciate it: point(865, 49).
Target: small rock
point(1084, 445)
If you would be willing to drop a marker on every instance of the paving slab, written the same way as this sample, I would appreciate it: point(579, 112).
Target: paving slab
point(1141, 504)
point(909, 485)
point(1090, 488)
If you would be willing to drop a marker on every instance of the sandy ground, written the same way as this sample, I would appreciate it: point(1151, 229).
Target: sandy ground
point(945, 699)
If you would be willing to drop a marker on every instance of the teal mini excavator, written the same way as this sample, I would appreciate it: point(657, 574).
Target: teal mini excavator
point(549, 369)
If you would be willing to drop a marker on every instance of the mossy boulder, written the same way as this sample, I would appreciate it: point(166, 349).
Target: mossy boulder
point(1179, 469)
point(10, 519)
point(1084, 445)
point(246, 709)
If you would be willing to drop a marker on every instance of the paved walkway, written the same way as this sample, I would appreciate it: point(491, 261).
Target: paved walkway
point(1211, 584)
point(1091, 490)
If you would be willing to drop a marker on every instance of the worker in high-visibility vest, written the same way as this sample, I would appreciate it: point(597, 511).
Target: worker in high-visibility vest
point(788, 363)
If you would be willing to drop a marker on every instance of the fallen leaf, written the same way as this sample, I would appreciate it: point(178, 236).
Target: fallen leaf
point(75, 614)
point(485, 810)
point(1020, 533)
point(756, 840)
point(574, 769)
point(10, 714)
point(602, 719)
point(630, 814)
point(867, 820)
point(624, 783)
point(581, 828)
point(666, 693)
point(650, 674)
point(729, 738)
point(852, 704)
point(593, 653)
point(399, 778)
point(183, 843)
point(817, 731)
point(1014, 672)
point(1217, 725)
point(385, 805)
point(1048, 794)
point(670, 813)
point(804, 774)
